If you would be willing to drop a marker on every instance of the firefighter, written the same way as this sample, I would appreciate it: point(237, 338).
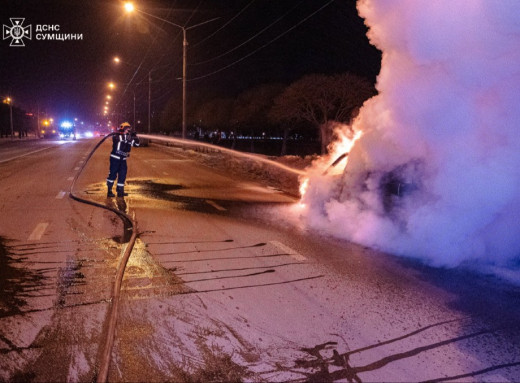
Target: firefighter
point(122, 143)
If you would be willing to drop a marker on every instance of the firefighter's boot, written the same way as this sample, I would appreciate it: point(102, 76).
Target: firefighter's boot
point(121, 191)
point(109, 192)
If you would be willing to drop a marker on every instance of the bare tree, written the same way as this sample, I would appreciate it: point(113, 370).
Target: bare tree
point(323, 101)
point(171, 116)
point(215, 114)
point(252, 106)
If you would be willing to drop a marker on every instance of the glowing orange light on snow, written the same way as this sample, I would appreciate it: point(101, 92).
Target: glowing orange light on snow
point(328, 165)
point(340, 148)
point(304, 185)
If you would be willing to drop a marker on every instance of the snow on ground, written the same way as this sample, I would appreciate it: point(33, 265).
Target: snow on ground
point(261, 168)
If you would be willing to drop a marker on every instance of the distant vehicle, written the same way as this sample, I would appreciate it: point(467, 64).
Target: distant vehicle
point(67, 130)
point(48, 130)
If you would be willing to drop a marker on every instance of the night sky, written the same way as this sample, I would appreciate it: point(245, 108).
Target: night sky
point(70, 77)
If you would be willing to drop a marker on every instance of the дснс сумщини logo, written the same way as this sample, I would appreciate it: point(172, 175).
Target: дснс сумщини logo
point(17, 32)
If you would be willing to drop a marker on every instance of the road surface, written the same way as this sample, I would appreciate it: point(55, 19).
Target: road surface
point(221, 285)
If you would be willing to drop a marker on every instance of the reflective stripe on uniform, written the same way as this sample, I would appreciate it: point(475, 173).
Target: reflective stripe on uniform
point(119, 143)
point(110, 181)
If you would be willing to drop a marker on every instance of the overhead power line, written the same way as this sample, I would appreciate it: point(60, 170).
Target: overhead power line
point(263, 46)
point(225, 25)
point(248, 40)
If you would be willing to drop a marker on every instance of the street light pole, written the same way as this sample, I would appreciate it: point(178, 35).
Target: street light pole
point(38, 122)
point(184, 59)
point(9, 101)
point(117, 60)
point(130, 8)
point(11, 117)
point(149, 98)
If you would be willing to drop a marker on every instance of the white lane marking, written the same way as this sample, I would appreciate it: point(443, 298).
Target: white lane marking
point(215, 205)
point(60, 195)
point(70, 178)
point(38, 231)
point(288, 251)
point(26, 154)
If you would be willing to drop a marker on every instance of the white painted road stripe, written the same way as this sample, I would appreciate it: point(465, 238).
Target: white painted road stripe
point(26, 154)
point(38, 232)
point(215, 205)
point(60, 195)
point(288, 251)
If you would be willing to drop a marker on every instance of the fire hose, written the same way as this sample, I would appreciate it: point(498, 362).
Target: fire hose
point(128, 222)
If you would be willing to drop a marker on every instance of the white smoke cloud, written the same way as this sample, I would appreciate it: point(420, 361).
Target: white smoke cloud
point(443, 133)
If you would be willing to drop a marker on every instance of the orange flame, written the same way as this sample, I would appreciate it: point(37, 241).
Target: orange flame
point(327, 165)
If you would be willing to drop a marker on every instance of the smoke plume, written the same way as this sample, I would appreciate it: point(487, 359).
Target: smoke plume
point(435, 173)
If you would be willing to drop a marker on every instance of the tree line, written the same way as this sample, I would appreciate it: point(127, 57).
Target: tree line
point(308, 107)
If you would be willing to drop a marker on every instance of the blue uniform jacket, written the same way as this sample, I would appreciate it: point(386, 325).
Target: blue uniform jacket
point(122, 144)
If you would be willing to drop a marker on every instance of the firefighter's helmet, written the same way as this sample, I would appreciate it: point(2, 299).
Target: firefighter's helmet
point(123, 126)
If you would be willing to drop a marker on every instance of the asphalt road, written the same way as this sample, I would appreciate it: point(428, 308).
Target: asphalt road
point(221, 285)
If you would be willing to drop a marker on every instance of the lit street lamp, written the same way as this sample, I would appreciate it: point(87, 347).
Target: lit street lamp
point(129, 7)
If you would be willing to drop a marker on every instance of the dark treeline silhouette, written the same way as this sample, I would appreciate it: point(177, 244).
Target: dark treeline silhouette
point(274, 119)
